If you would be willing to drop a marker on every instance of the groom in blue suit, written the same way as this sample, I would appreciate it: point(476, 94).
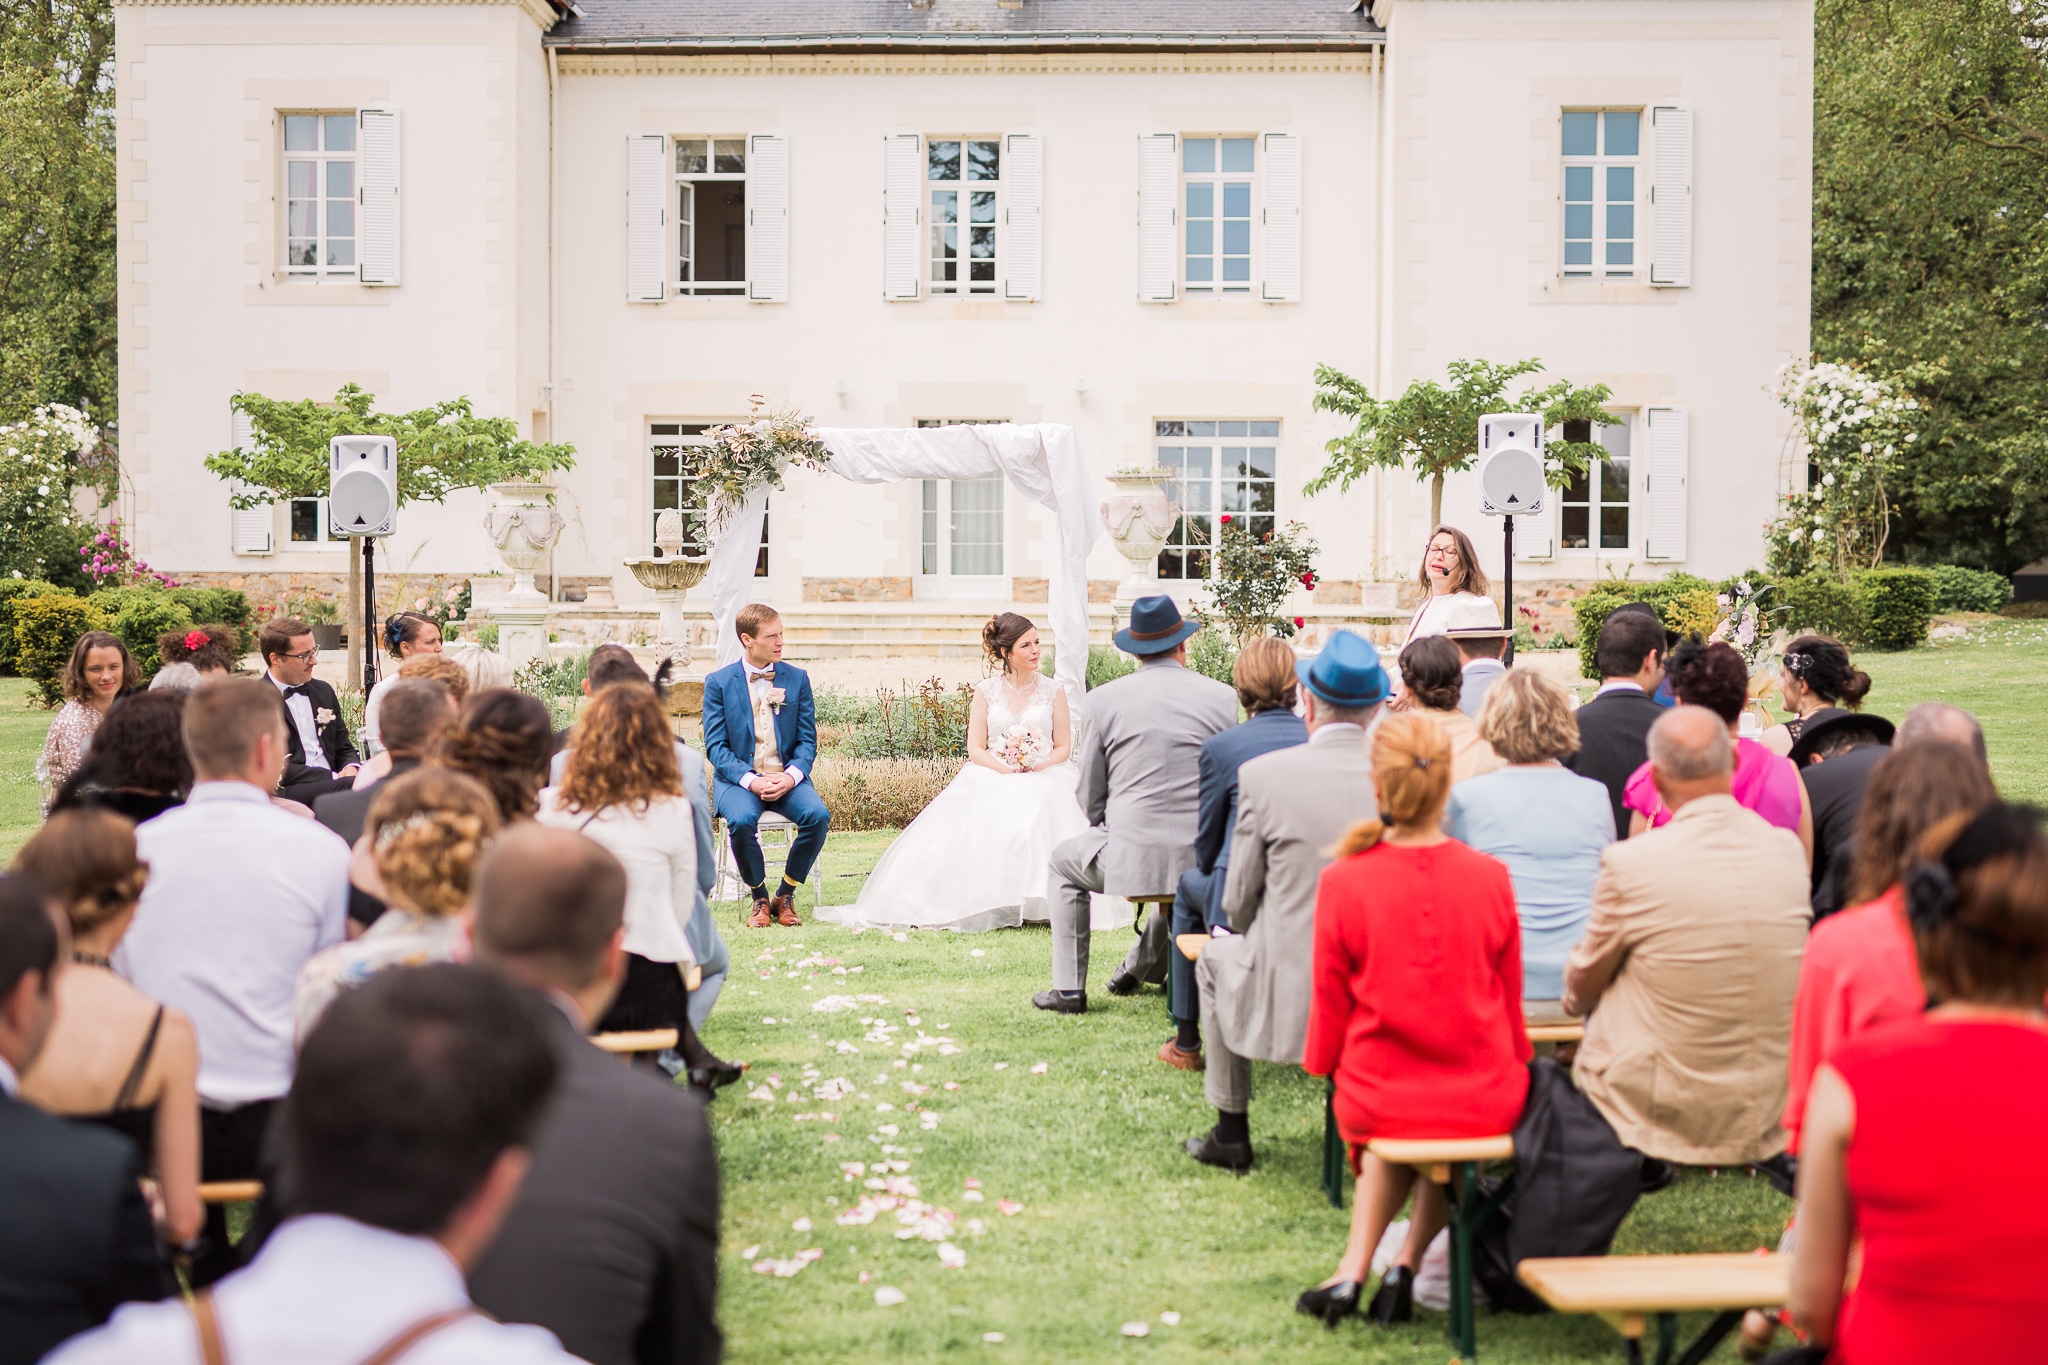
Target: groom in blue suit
point(761, 735)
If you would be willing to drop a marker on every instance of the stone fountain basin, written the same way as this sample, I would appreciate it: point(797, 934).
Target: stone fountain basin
point(672, 573)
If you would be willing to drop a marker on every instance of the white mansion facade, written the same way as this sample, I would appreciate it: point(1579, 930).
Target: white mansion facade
point(616, 221)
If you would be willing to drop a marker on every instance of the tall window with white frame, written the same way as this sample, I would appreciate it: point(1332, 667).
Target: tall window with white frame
point(960, 521)
point(1593, 509)
point(320, 194)
point(674, 450)
point(1220, 468)
point(964, 183)
point(711, 215)
point(1602, 150)
point(1216, 189)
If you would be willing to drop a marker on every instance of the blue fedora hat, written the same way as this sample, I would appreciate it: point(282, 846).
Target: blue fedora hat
point(1156, 626)
point(1347, 672)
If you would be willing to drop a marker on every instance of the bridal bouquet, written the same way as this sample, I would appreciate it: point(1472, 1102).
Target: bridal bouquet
point(1022, 747)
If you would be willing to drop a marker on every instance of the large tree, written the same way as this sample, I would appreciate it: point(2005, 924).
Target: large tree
point(57, 196)
point(1931, 252)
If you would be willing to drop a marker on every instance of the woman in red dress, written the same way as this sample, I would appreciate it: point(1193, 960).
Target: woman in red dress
point(1417, 1011)
point(1901, 1115)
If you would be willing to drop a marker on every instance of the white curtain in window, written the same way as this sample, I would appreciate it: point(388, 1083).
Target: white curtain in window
point(378, 141)
point(1041, 460)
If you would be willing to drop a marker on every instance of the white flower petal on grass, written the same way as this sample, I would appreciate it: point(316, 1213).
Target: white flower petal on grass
point(952, 1257)
point(1009, 1207)
point(800, 1225)
point(888, 1296)
point(952, 1085)
point(1136, 1329)
point(751, 1252)
point(971, 1196)
point(1170, 1318)
point(833, 1003)
point(901, 938)
point(1039, 1069)
point(761, 1092)
point(992, 1338)
point(1002, 1066)
point(977, 953)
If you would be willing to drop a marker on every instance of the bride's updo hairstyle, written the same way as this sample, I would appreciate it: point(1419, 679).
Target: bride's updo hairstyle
point(1411, 757)
point(1001, 635)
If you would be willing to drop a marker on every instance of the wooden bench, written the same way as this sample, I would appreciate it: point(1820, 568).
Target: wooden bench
point(1556, 1033)
point(646, 1040)
point(1629, 1291)
point(1454, 1164)
point(1140, 908)
point(230, 1191)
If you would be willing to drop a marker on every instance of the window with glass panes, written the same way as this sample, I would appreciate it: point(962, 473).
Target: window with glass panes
point(963, 178)
point(1216, 217)
point(960, 521)
point(1220, 468)
point(672, 463)
point(711, 215)
point(1601, 149)
point(307, 527)
point(1593, 509)
point(320, 194)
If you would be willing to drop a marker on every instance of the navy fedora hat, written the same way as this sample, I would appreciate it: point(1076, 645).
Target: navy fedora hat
point(1346, 673)
point(1156, 626)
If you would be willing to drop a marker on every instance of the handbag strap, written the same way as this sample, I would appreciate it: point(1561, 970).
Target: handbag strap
point(213, 1351)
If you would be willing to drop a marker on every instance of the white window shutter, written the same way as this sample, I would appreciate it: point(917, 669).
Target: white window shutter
point(768, 218)
point(1664, 483)
point(648, 185)
point(377, 195)
point(1282, 214)
point(1023, 216)
point(1158, 216)
point(249, 531)
point(1671, 196)
point(902, 211)
point(1536, 537)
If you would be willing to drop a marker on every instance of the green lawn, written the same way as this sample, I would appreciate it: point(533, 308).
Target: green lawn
point(1116, 1224)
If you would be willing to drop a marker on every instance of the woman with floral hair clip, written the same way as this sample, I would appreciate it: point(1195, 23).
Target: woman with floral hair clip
point(405, 635)
point(1814, 675)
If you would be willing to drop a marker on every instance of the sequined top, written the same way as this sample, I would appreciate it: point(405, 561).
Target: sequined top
point(70, 736)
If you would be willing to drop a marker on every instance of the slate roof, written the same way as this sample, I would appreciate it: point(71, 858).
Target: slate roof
point(964, 25)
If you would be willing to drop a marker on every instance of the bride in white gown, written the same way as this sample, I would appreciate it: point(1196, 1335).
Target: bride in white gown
point(978, 856)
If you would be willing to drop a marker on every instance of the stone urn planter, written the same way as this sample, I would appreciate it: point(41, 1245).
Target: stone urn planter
point(1139, 517)
point(523, 525)
point(671, 574)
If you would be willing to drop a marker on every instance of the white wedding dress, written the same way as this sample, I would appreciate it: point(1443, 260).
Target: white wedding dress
point(978, 856)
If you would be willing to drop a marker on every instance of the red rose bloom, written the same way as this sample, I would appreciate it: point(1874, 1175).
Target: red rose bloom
point(1299, 622)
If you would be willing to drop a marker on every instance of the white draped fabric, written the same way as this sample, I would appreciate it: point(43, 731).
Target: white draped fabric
point(1041, 460)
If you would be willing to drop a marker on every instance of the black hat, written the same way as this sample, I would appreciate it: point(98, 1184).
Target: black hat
point(1831, 720)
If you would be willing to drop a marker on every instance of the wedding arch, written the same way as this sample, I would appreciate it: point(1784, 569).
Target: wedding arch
point(1042, 460)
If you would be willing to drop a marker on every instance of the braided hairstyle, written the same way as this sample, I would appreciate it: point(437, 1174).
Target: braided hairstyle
point(427, 830)
point(504, 740)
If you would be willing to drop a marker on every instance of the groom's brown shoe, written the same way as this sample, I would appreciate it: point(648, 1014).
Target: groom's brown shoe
point(762, 916)
point(784, 907)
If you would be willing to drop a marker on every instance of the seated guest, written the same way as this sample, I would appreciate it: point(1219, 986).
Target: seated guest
point(1473, 625)
point(611, 665)
point(1430, 673)
point(1691, 955)
point(416, 711)
point(613, 1245)
point(75, 1234)
point(423, 835)
point(1548, 824)
point(1939, 720)
point(115, 1057)
point(240, 894)
point(1292, 806)
point(622, 788)
point(407, 635)
point(1814, 675)
point(1714, 676)
point(502, 739)
point(407, 1135)
point(430, 668)
point(322, 757)
point(1859, 970)
point(1835, 755)
point(100, 673)
point(1417, 1011)
point(1264, 678)
point(180, 678)
point(1903, 1117)
point(1614, 727)
point(211, 651)
point(137, 766)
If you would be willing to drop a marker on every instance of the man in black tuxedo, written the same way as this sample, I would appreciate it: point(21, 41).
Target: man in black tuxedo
point(1614, 727)
point(613, 1245)
point(321, 757)
point(75, 1234)
point(413, 712)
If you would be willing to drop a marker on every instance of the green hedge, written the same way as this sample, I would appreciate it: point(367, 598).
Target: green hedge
point(46, 628)
point(1819, 604)
point(199, 607)
point(1896, 606)
point(1960, 589)
point(12, 589)
point(1684, 602)
point(1107, 665)
point(143, 621)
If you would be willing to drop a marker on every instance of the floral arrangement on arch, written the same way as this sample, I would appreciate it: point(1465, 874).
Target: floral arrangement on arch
point(750, 455)
point(1858, 430)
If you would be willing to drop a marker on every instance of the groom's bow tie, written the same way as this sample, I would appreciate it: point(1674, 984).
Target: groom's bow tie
point(753, 677)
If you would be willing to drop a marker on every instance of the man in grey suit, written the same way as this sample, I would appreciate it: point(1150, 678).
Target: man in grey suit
point(613, 1243)
point(1140, 752)
point(1291, 807)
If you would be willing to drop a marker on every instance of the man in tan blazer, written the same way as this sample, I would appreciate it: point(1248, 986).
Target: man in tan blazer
point(1292, 805)
point(1689, 964)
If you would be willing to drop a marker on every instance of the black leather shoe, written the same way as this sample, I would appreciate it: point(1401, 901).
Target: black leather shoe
point(1656, 1174)
point(1331, 1302)
point(1059, 1002)
point(1122, 983)
point(1231, 1156)
point(715, 1075)
point(1394, 1300)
